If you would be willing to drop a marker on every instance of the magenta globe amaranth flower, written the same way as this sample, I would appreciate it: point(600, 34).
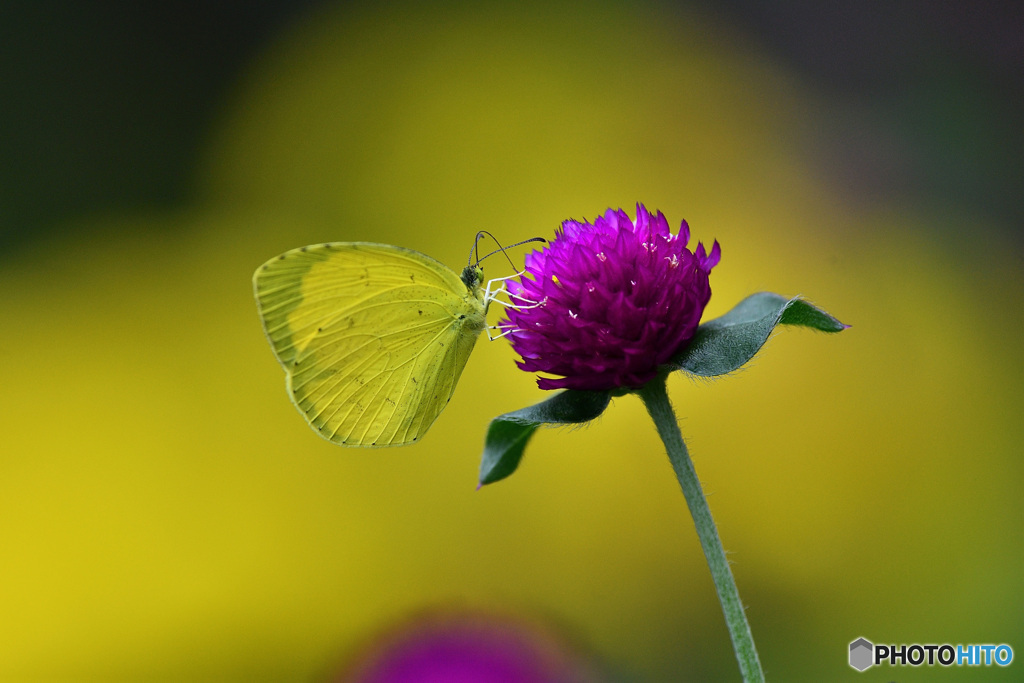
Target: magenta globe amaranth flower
point(605, 304)
point(471, 646)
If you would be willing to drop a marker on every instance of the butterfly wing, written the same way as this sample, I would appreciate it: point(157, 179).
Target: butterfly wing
point(373, 338)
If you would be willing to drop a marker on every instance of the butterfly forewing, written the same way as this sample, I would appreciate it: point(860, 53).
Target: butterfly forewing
point(372, 337)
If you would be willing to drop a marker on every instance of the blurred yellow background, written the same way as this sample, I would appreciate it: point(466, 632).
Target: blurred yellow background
point(165, 514)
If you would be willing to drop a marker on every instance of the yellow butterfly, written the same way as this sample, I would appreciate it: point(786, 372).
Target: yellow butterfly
point(372, 337)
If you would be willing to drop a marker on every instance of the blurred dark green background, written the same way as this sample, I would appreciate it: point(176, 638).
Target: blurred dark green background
point(164, 512)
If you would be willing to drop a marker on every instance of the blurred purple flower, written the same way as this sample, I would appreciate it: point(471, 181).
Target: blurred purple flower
point(604, 304)
point(468, 647)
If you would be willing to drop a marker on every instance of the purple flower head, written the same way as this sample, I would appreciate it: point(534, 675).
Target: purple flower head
point(605, 304)
point(466, 647)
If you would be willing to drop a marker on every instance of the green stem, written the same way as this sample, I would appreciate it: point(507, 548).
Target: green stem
point(656, 399)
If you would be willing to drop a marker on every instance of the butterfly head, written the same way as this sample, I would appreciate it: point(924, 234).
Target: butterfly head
point(473, 277)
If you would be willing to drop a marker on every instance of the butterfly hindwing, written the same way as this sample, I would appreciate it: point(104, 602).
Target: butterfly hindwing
point(372, 337)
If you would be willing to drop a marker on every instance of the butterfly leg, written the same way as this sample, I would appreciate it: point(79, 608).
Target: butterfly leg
point(495, 337)
point(492, 295)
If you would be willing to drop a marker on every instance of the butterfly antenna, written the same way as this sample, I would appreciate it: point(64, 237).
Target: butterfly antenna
point(475, 251)
point(500, 248)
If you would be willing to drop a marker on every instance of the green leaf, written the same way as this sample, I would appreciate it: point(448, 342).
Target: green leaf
point(508, 434)
point(724, 344)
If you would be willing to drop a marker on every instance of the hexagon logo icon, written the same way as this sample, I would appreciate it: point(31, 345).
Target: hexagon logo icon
point(861, 654)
